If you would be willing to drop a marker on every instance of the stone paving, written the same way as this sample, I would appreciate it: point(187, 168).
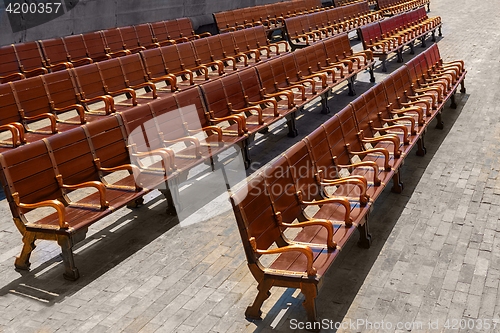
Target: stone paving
point(432, 267)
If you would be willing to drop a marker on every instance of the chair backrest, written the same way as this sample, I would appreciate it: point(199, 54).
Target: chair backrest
point(154, 63)
point(73, 156)
point(215, 98)
point(54, 51)
point(32, 96)
point(9, 66)
point(249, 80)
point(144, 35)
point(195, 109)
point(28, 171)
point(89, 81)
point(202, 49)
point(113, 40)
point(76, 48)
point(129, 37)
point(255, 217)
point(96, 47)
point(112, 75)
point(185, 27)
point(141, 128)
point(133, 69)
point(160, 32)
point(234, 91)
point(61, 88)
point(109, 141)
point(370, 33)
point(30, 56)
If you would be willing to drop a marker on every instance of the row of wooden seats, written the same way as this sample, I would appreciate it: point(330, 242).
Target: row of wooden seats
point(39, 57)
point(302, 30)
point(44, 173)
point(79, 90)
point(339, 3)
point(394, 33)
point(392, 7)
point(341, 168)
point(270, 15)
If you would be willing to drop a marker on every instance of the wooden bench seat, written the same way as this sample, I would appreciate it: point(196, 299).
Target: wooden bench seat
point(395, 33)
point(44, 173)
point(77, 50)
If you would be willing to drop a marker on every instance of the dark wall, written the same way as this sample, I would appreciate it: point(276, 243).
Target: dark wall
point(91, 15)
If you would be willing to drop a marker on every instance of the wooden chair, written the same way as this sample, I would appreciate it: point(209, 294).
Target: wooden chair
point(130, 39)
point(96, 46)
point(55, 54)
point(77, 50)
point(9, 67)
point(136, 77)
point(115, 46)
point(30, 59)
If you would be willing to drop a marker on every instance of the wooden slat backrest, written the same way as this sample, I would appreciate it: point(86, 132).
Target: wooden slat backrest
point(216, 98)
point(154, 63)
point(112, 75)
point(336, 142)
point(303, 171)
point(160, 32)
point(185, 27)
point(144, 35)
point(216, 47)
point(133, 69)
point(255, 217)
point(228, 44)
point(141, 128)
point(28, 171)
point(89, 81)
point(193, 116)
point(109, 141)
point(250, 83)
point(54, 51)
point(365, 112)
point(113, 40)
point(302, 60)
point(9, 106)
point(96, 46)
point(171, 58)
point(30, 57)
point(75, 45)
point(240, 41)
point(130, 40)
point(73, 156)
point(266, 77)
point(323, 155)
point(9, 66)
point(234, 91)
point(61, 88)
point(349, 128)
point(202, 49)
point(187, 55)
point(169, 118)
point(172, 28)
point(32, 96)
point(370, 33)
point(282, 190)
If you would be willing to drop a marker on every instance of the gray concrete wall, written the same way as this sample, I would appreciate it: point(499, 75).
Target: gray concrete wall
point(91, 15)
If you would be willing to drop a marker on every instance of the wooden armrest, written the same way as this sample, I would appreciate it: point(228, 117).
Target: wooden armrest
point(14, 132)
point(370, 164)
point(36, 71)
point(297, 86)
point(337, 200)
point(166, 154)
point(311, 271)
point(134, 169)
point(264, 101)
point(52, 118)
point(382, 151)
point(240, 120)
point(81, 61)
point(79, 109)
point(248, 109)
point(150, 85)
point(415, 102)
point(414, 109)
point(124, 91)
point(324, 223)
point(172, 79)
point(191, 139)
point(288, 94)
point(109, 103)
point(209, 130)
point(56, 204)
point(95, 184)
point(360, 181)
point(398, 127)
point(394, 139)
point(12, 77)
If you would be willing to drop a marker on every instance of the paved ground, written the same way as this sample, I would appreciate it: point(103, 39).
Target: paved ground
point(433, 265)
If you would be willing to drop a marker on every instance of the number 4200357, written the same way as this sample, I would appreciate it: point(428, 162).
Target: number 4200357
point(33, 8)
